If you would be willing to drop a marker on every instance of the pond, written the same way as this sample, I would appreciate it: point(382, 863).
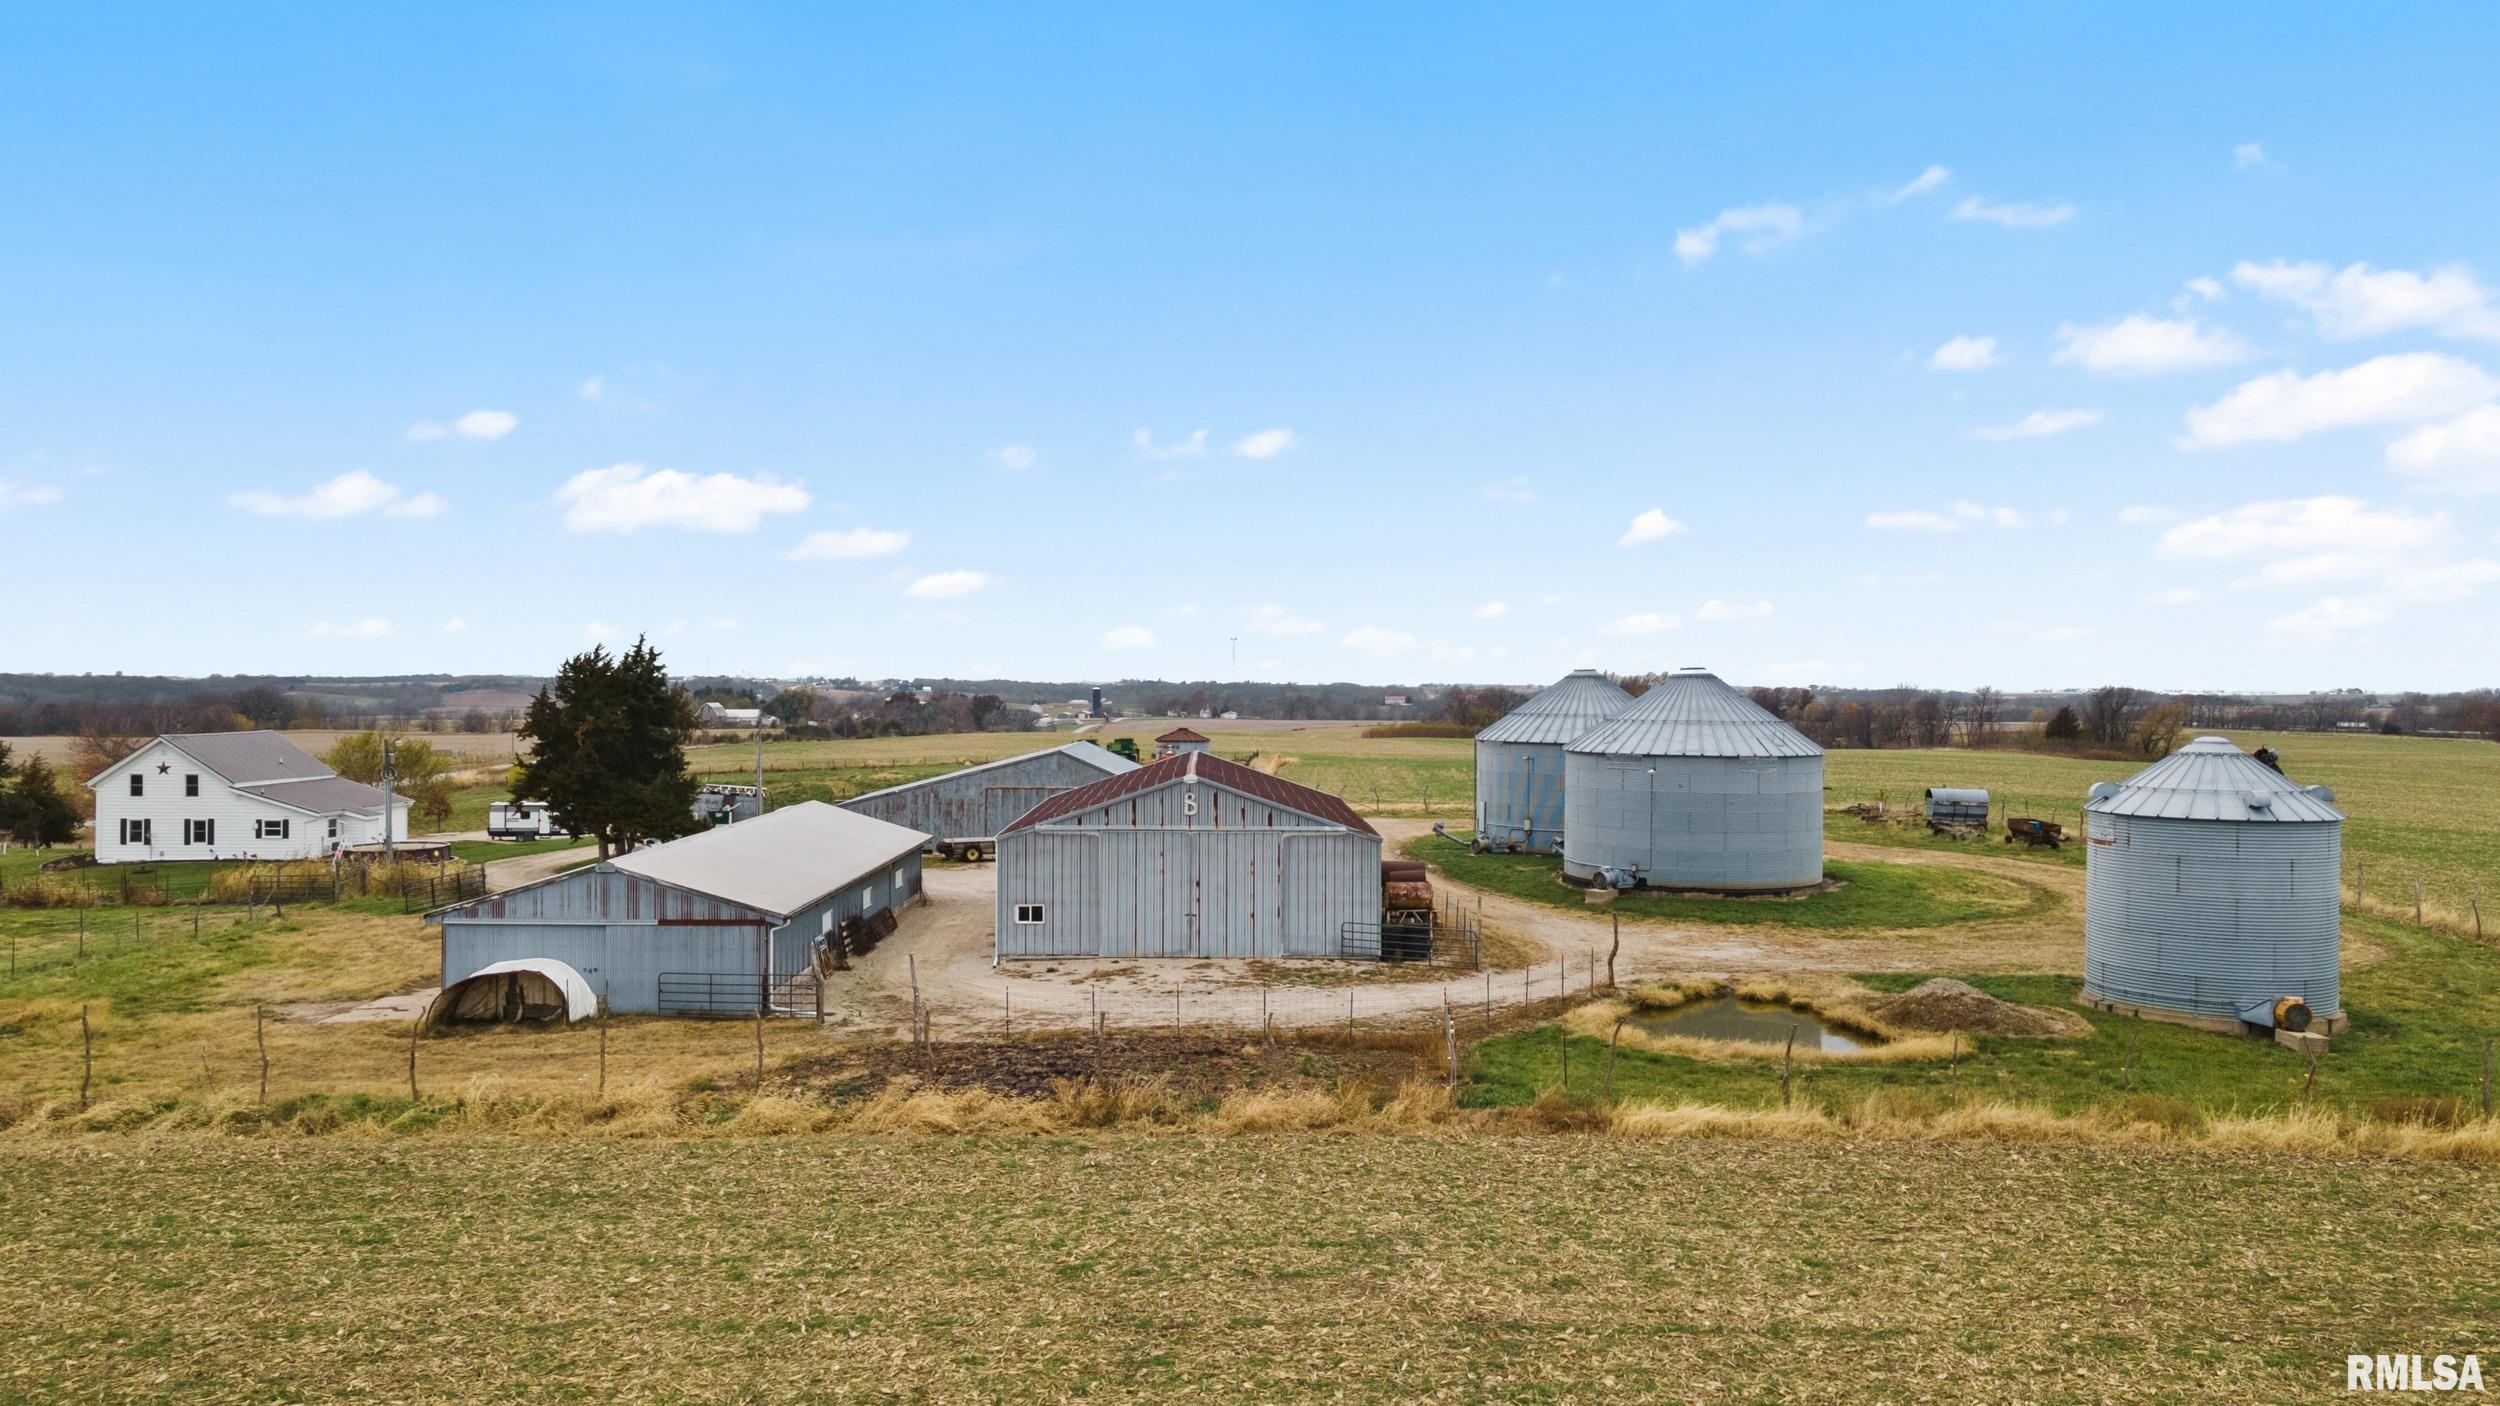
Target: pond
point(1755, 1022)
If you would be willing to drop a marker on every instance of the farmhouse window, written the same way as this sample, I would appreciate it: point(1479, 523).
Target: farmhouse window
point(270, 829)
point(191, 785)
point(199, 832)
point(138, 832)
point(1028, 912)
point(334, 828)
point(138, 784)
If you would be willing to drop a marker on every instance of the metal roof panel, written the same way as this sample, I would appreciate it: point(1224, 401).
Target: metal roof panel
point(2210, 779)
point(1693, 713)
point(1577, 702)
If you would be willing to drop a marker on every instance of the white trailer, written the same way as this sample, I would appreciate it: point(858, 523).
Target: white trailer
point(523, 820)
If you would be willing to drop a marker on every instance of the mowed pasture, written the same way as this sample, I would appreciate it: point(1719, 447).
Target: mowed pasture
point(1280, 1267)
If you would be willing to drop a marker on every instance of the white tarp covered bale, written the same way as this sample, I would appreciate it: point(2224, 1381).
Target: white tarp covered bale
point(531, 988)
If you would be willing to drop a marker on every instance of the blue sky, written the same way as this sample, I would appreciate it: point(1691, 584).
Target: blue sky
point(2034, 346)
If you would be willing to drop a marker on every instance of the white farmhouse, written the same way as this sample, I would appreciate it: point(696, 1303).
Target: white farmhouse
point(232, 795)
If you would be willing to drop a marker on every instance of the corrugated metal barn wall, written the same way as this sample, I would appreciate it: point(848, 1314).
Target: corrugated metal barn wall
point(1238, 877)
point(622, 931)
point(2210, 917)
point(1697, 822)
point(977, 804)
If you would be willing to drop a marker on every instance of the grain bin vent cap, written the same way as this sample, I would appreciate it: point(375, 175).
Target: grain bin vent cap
point(2210, 779)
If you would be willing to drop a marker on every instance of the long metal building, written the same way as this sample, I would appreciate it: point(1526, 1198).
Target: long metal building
point(1519, 761)
point(2212, 891)
point(1694, 787)
point(977, 802)
point(711, 923)
point(1190, 856)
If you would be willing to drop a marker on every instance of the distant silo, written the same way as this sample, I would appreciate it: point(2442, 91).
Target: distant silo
point(1519, 761)
point(2212, 891)
point(1694, 786)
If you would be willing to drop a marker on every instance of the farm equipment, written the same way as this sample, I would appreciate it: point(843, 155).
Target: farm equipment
point(1956, 810)
point(2035, 833)
point(1124, 747)
point(1406, 911)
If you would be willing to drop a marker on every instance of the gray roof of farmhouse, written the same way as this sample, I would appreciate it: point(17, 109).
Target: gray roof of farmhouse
point(780, 862)
point(1692, 713)
point(1580, 701)
point(2210, 779)
point(250, 758)
point(324, 796)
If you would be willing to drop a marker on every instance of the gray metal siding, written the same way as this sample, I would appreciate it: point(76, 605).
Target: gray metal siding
point(2210, 917)
point(1519, 794)
point(979, 803)
point(1739, 823)
point(1148, 876)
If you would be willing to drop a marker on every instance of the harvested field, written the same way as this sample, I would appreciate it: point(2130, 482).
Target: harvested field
point(1194, 1067)
point(1273, 1267)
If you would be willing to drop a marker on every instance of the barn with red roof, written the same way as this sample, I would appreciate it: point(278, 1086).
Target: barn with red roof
point(1189, 856)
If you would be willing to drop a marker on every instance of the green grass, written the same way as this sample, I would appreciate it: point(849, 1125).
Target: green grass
point(155, 967)
point(488, 851)
point(1281, 1268)
point(2418, 1022)
point(1872, 897)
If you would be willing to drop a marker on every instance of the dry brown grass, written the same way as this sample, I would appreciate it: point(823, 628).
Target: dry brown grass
point(1829, 999)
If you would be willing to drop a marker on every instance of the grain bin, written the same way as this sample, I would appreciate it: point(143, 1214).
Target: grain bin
point(1694, 786)
point(1519, 761)
point(2212, 892)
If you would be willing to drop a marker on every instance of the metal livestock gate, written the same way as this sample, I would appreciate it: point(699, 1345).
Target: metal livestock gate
point(979, 802)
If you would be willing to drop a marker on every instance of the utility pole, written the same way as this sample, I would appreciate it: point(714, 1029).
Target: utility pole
point(390, 780)
point(759, 763)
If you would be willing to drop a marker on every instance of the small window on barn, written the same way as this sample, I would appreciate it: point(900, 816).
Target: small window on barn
point(1028, 912)
point(138, 784)
point(191, 785)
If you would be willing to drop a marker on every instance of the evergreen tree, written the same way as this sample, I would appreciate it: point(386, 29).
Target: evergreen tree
point(608, 749)
point(2065, 726)
point(33, 811)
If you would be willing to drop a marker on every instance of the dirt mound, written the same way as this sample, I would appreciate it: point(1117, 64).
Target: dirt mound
point(1946, 1004)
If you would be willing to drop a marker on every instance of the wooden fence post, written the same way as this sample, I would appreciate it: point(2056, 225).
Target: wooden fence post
point(759, 1045)
point(262, 1040)
point(914, 960)
point(603, 1039)
point(1953, 1069)
point(413, 1027)
point(86, 1068)
point(2417, 900)
point(1787, 1058)
point(1611, 951)
point(1611, 1041)
point(1449, 1037)
point(2486, 1076)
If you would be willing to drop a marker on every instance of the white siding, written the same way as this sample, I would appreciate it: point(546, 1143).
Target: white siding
point(232, 812)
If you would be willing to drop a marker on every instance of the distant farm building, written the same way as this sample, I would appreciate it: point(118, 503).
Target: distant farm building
point(1519, 761)
point(233, 795)
point(1190, 856)
point(1694, 786)
point(720, 715)
point(724, 921)
point(1179, 740)
point(2213, 892)
point(976, 803)
point(717, 803)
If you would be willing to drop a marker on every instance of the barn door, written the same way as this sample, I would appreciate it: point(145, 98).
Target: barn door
point(1311, 915)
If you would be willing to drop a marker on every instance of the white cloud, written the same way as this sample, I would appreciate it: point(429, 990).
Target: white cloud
point(1758, 228)
point(1912, 520)
point(2359, 301)
point(2313, 569)
point(2040, 424)
point(1492, 610)
point(1373, 639)
point(2398, 389)
point(1276, 620)
point(597, 633)
point(372, 627)
point(2201, 290)
point(14, 494)
point(1965, 354)
point(1969, 511)
point(1128, 637)
point(1921, 184)
point(2454, 580)
point(1721, 612)
point(477, 424)
point(349, 495)
point(2176, 596)
point(1511, 490)
point(2249, 156)
point(1645, 622)
point(1266, 444)
point(2013, 214)
point(2141, 515)
point(2302, 526)
point(1189, 448)
point(455, 625)
point(947, 585)
point(850, 544)
point(2459, 456)
point(1015, 457)
point(2333, 615)
point(628, 497)
point(593, 388)
point(1650, 526)
point(2139, 345)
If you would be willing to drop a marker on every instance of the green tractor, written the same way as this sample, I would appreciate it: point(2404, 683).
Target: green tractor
point(1124, 747)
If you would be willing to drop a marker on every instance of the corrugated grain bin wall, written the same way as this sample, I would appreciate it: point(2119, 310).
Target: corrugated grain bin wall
point(1695, 786)
point(1520, 766)
point(2212, 885)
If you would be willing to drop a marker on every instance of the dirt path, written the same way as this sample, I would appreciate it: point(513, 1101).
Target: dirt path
point(522, 869)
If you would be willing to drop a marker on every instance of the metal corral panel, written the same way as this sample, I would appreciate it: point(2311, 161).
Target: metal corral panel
point(2211, 917)
point(1746, 824)
point(1519, 760)
point(1189, 869)
point(978, 802)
